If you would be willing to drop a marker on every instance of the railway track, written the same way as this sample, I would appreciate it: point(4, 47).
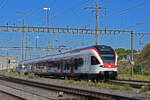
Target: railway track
point(134, 84)
point(134, 81)
point(9, 96)
point(87, 94)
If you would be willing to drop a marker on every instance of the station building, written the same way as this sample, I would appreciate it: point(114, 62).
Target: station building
point(8, 62)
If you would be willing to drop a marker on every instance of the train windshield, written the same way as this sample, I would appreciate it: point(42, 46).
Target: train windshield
point(107, 54)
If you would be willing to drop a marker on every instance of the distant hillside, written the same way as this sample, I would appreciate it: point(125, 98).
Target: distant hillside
point(144, 57)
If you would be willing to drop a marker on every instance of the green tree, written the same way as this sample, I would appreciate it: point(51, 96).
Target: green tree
point(137, 69)
point(123, 53)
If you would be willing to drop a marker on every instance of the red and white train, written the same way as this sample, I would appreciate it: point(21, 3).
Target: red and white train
point(94, 62)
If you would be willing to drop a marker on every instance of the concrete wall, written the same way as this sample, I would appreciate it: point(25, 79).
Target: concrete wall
point(8, 62)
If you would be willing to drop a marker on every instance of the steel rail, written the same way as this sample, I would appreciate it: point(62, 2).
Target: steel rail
point(91, 95)
point(134, 81)
point(133, 84)
point(12, 95)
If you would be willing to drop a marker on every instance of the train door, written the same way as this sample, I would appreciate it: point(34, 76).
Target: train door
point(86, 63)
point(72, 65)
point(62, 68)
point(65, 66)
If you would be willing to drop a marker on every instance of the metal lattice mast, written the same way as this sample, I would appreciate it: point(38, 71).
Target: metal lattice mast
point(97, 20)
point(23, 41)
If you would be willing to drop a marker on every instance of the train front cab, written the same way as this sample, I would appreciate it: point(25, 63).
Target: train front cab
point(99, 71)
point(105, 63)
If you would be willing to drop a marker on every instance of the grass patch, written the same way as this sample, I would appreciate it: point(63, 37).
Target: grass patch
point(9, 73)
point(80, 82)
point(21, 74)
point(100, 85)
point(127, 87)
point(70, 81)
point(12, 73)
point(91, 84)
point(83, 82)
point(144, 89)
point(114, 86)
point(31, 75)
point(110, 86)
point(134, 77)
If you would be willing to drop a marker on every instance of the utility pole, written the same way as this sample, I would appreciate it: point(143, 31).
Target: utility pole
point(97, 20)
point(132, 61)
point(23, 41)
point(47, 11)
point(48, 46)
point(7, 60)
point(27, 45)
point(36, 41)
point(29, 48)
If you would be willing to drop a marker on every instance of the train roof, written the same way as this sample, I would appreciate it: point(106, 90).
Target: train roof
point(72, 51)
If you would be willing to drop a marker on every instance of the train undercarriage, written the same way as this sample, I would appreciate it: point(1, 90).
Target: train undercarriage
point(107, 75)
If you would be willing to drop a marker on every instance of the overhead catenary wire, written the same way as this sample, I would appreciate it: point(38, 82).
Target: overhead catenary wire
point(127, 10)
point(134, 7)
point(138, 24)
point(79, 4)
point(31, 12)
point(124, 11)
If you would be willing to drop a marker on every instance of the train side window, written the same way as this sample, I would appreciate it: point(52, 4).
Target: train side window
point(80, 61)
point(58, 66)
point(67, 66)
point(76, 64)
point(94, 60)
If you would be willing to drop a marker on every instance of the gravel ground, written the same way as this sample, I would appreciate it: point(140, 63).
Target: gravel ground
point(5, 96)
point(28, 92)
point(133, 94)
point(127, 93)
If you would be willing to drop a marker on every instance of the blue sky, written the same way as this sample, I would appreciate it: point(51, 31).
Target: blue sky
point(119, 14)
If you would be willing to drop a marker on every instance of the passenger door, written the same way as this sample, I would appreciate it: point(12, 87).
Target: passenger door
point(87, 63)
